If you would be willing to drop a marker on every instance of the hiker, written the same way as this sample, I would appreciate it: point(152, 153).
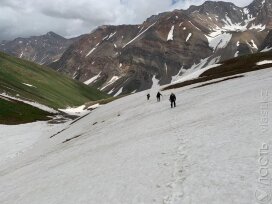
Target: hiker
point(159, 96)
point(172, 99)
point(148, 96)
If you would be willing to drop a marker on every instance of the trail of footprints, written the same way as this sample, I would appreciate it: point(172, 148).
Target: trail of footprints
point(179, 173)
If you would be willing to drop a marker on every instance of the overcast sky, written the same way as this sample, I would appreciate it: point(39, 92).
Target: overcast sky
point(23, 18)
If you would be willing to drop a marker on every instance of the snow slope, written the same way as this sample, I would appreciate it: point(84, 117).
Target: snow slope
point(134, 151)
point(15, 140)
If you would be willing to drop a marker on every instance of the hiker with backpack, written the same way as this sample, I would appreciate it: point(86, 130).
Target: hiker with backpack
point(159, 96)
point(172, 100)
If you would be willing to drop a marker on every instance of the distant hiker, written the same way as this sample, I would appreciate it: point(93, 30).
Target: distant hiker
point(148, 96)
point(159, 96)
point(172, 99)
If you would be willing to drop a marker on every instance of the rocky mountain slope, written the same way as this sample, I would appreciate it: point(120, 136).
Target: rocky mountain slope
point(125, 59)
point(43, 49)
point(267, 43)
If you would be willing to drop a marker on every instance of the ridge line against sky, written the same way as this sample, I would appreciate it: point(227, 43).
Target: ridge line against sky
point(71, 18)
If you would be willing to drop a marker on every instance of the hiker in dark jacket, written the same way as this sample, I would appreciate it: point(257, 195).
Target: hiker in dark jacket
point(172, 99)
point(159, 96)
point(148, 96)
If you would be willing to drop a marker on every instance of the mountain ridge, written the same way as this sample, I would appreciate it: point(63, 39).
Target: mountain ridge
point(43, 49)
point(128, 58)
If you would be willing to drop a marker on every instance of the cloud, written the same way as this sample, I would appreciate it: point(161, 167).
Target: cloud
point(71, 18)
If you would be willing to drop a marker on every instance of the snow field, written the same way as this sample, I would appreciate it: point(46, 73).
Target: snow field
point(136, 151)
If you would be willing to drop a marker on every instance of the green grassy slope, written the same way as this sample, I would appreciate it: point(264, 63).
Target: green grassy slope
point(14, 112)
point(51, 88)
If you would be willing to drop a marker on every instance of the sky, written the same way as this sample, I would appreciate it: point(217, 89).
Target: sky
point(70, 18)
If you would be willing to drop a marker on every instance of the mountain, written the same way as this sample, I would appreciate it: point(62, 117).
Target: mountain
point(23, 83)
point(130, 58)
point(43, 49)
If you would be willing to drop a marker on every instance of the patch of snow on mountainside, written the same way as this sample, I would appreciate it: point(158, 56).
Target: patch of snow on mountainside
point(92, 50)
point(177, 76)
point(196, 74)
point(213, 61)
point(112, 34)
point(91, 80)
point(257, 27)
point(132, 151)
point(141, 29)
point(207, 62)
point(230, 26)
point(218, 40)
point(106, 37)
point(253, 44)
point(79, 111)
point(155, 85)
point(243, 25)
point(139, 35)
point(264, 62)
point(111, 81)
point(111, 91)
point(267, 49)
point(171, 34)
point(75, 74)
point(118, 92)
point(29, 85)
point(200, 65)
point(249, 17)
point(189, 36)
